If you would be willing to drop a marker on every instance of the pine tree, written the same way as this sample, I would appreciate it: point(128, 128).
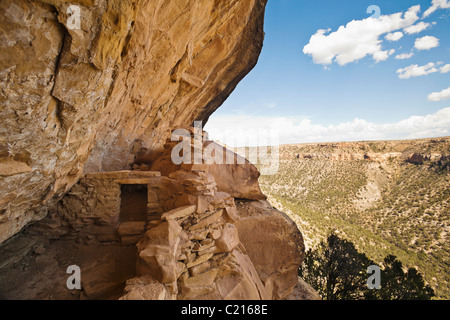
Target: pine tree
point(400, 285)
point(338, 272)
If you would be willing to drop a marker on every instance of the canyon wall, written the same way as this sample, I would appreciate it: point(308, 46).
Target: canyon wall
point(78, 100)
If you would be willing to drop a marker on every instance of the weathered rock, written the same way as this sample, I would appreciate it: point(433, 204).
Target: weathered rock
point(199, 268)
point(133, 239)
point(40, 249)
point(209, 220)
point(223, 172)
point(104, 98)
point(228, 240)
point(233, 278)
point(215, 234)
point(163, 234)
point(240, 169)
point(185, 200)
point(231, 214)
point(101, 277)
point(190, 256)
point(199, 234)
point(159, 262)
point(202, 279)
point(144, 288)
point(202, 247)
point(10, 167)
point(131, 228)
point(241, 281)
point(87, 99)
point(157, 252)
point(416, 158)
point(181, 268)
point(207, 242)
point(200, 260)
point(207, 251)
point(13, 251)
point(273, 243)
point(179, 213)
point(193, 293)
point(444, 162)
point(187, 177)
point(202, 204)
point(303, 291)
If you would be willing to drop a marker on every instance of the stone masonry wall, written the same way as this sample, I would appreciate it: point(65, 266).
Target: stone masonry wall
point(195, 243)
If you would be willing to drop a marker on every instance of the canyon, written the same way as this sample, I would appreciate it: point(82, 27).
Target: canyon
point(86, 176)
point(386, 197)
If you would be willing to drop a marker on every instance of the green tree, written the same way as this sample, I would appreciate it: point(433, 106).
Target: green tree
point(397, 284)
point(336, 270)
point(339, 272)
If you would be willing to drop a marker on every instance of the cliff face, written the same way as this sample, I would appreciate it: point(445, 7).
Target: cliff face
point(78, 100)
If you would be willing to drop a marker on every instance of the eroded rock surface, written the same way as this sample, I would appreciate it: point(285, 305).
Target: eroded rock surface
point(273, 243)
point(81, 107)
point(192, 240)
point(220, 164)
point(88, 99)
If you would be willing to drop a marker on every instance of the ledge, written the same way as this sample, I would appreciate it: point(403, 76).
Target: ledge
point(127, 176)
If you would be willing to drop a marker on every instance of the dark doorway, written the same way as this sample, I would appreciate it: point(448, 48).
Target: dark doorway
point(133, 205)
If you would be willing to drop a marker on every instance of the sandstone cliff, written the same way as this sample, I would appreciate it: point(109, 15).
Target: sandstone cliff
point(93, 88)
point(86, 100)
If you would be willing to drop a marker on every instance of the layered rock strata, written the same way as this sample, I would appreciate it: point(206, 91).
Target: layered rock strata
point(212, 248)
point(86, 98)
point(196, 240)
point(88, 87)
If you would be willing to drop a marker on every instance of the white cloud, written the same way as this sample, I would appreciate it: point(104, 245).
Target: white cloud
point(358, 38)
point(421, 26)
point(404, 56)
point(383, 55)
point(394, 36)
point(231, 129)
point(417, 71)
point(426, 43)
point(437, 4)
point(439, 96)
point(445, 69)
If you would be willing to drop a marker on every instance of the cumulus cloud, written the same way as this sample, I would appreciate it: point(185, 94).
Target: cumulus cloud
point(404, 56)
point(437, 4)
point(419, 27)
point(394, 36)
point(439, 96)
point(383, 55)
point(416, 70)
point(358, 38)
point(426, 43)
point(445, 69)
point(289, 130)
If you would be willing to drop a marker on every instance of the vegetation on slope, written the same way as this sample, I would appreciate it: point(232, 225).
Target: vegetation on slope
point(339, 272)
point(373, 197)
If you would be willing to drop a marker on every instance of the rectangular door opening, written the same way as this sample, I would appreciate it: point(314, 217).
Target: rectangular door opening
point(133, 206)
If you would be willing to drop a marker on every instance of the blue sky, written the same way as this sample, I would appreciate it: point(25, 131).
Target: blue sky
point(346, 82)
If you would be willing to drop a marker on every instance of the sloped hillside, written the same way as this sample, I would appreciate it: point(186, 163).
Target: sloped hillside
point(388, 197)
